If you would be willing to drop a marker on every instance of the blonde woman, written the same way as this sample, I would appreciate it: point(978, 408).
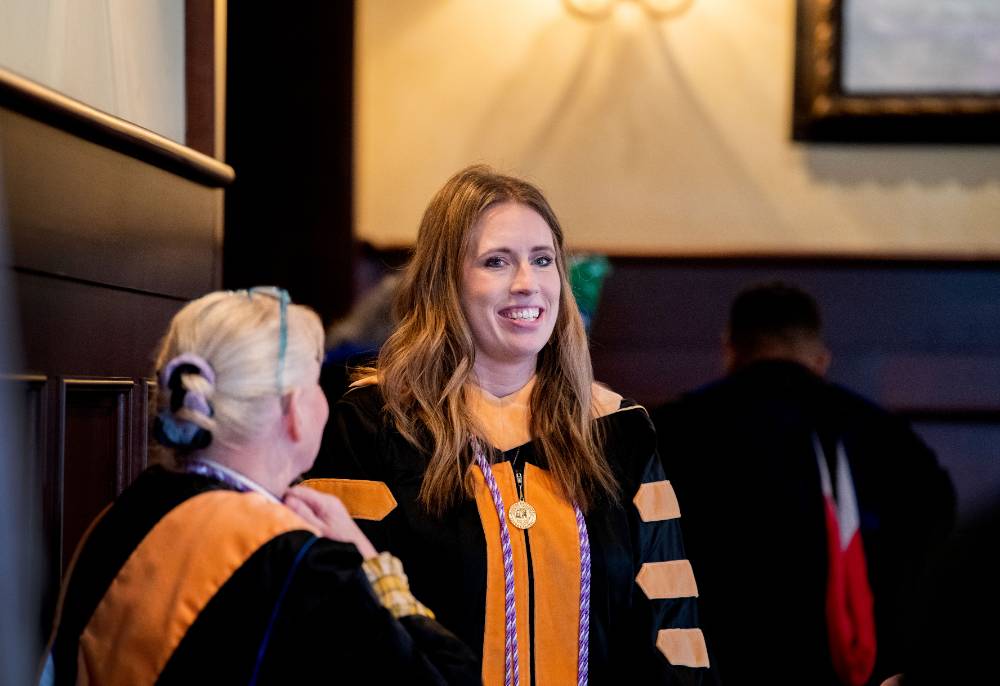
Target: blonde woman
point(213, 570)
point(527, 502)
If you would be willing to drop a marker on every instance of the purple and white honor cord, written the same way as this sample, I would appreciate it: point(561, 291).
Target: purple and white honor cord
point(511, 660)
point(583, 657)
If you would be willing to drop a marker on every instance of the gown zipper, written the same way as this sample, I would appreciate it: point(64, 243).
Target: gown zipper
point(519, 479)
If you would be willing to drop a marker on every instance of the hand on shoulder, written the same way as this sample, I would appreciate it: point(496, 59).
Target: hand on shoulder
point(329, 516)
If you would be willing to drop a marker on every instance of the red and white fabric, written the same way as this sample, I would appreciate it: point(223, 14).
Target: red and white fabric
point(850, 613)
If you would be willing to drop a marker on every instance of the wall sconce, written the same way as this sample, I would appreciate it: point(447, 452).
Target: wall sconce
point(655, 9)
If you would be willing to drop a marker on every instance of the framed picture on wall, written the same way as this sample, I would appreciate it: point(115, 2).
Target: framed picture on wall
point(920, 71)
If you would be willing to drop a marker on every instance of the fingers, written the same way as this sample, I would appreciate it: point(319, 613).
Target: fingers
point(303, 510)
point(329, 515)
point(323, 504)
point(365, 546)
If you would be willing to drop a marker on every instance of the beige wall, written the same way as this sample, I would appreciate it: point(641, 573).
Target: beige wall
point(124, 57)
point(648, 137)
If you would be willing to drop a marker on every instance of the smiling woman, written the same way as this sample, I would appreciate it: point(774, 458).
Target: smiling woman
point(522, 497)
point(510, 294)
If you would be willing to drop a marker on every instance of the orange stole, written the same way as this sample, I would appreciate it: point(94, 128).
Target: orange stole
point(556, 570)
point(166, 582)
point(363, 499)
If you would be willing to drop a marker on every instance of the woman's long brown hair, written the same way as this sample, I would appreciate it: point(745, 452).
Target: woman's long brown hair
point(425, 365)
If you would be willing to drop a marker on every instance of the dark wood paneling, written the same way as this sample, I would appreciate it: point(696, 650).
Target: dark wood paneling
point(97, 447)
point(288, 214)
point(912, 335)
point(145, 401)
point(76, 209)
point(84, 441)
point(78, 328)
point(918, 337)
point(112, 229)
point(199, 74)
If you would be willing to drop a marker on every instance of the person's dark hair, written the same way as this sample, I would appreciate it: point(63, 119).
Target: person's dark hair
point(769, 313)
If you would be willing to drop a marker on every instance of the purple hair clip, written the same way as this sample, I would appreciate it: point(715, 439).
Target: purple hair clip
point(193, 400)
point(196, 361)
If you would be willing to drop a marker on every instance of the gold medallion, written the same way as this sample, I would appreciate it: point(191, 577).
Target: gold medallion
point(522, 515)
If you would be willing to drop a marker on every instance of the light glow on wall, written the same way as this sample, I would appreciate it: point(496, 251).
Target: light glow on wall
point(648, 136)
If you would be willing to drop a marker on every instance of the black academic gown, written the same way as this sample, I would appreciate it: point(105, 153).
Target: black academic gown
point(953, 633)
point(186, 582)
point(741, 457)
point(453, 563)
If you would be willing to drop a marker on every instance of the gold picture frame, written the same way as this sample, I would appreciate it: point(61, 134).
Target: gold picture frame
point(825, 111)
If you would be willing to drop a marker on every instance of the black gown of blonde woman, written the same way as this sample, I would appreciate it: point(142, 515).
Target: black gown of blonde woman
point(187, 581)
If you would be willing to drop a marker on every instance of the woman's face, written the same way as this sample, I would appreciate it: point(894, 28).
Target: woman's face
point(510, 285)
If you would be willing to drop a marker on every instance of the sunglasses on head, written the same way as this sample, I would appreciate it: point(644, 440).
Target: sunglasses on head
point(281, 295)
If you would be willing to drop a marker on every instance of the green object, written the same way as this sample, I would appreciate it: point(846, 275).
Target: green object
point(587, 273)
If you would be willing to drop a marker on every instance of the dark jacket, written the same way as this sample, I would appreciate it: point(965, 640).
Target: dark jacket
point(740, 454)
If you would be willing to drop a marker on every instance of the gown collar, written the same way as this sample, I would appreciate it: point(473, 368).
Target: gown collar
point(506, 421)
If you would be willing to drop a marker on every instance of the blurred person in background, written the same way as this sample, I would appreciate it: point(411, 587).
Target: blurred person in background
point(809, 511)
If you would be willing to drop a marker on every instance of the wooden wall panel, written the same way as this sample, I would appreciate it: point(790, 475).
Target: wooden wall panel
point(112, 229)
point(75, 209)
point(76, 328)
point(918, 337)
point(914, 335)
point(97, 451)
point(200, 75)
